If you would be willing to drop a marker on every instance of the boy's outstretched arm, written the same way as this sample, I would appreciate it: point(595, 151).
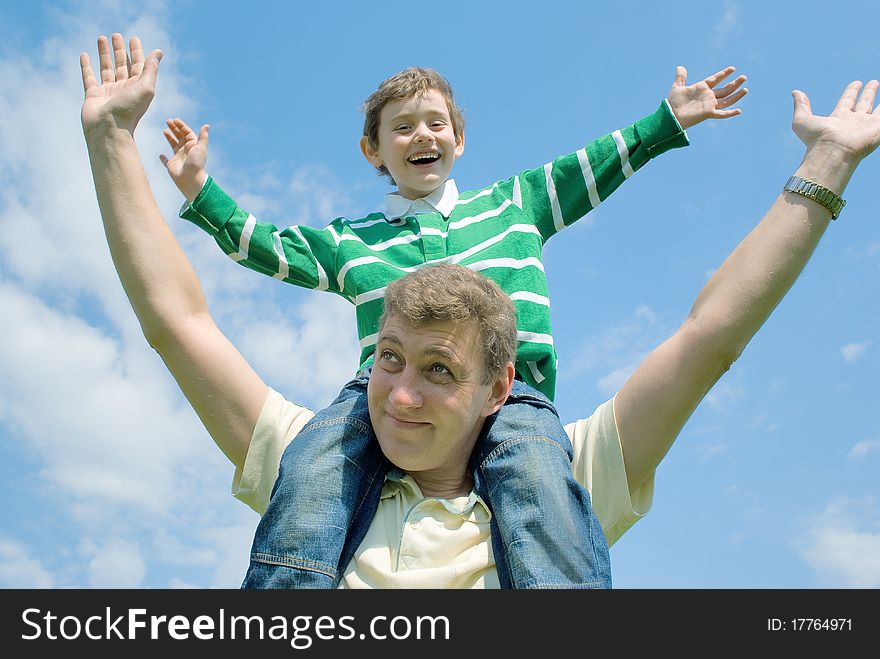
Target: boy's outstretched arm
point(654, 404)
point(693, 104)
point(186, 166)
point(157, 277)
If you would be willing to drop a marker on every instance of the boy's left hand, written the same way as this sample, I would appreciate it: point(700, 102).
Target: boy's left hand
point(695, 103)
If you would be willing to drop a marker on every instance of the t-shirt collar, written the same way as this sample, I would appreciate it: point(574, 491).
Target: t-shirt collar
point(396, 480)
point(441, 200)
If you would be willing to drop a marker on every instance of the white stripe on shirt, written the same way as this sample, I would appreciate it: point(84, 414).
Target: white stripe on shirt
point(530, 297)
point(533, 368)
point(623, 153)
point(534, 337)
point(554, 201)
point(244, 241)
point(589, 179)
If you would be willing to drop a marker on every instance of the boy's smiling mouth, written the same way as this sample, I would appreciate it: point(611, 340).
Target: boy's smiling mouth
point(423, 158)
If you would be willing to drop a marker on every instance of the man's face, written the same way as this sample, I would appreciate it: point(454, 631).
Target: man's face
point(416, 143)
point(427, 398)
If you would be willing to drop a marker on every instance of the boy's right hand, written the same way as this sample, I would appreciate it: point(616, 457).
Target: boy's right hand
point(186, 166)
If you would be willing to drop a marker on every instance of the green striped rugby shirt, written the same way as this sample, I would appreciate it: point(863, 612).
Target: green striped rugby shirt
point(499, 231)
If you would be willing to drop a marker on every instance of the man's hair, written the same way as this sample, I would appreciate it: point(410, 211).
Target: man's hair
point(414, 81)
point(454, 293)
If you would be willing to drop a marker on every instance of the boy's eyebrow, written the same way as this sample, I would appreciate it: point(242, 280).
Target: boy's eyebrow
point(410, 115)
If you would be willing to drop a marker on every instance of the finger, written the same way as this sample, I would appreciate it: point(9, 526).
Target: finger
point(137, 56)
point(866, 100)
point(88, 74)
point(172, 139)
point(726, 114)
point(730, 87)
point(183, 126)
point(802, 108)
point(717, 77)
point(120, 56)
point(184, 133)
point(848, 98)
point(203, 134)
point(164, 160)
point(681, 75)
point(106, 60)
point(730, 100)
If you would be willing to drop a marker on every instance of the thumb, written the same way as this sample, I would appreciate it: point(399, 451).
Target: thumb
point(802, 107)
point(151, 68)
point(203, 135)
point(680, 76)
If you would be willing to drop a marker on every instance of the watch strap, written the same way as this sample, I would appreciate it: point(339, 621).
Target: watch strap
point(818, 193)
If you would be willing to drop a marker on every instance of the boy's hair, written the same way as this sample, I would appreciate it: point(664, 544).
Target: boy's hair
point(452, 292)
point(413, 81)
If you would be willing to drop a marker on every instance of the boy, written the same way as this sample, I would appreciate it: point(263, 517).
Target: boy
point(413, 132)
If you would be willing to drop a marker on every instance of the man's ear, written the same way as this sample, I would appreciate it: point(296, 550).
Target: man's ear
point(371, 154)
point(500, 389)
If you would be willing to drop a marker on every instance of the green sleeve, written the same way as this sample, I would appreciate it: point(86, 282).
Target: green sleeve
point(564, 190)
point(300, 255)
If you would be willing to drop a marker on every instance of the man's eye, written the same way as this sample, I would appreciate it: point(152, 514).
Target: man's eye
point(440, 369)
point(388, 356)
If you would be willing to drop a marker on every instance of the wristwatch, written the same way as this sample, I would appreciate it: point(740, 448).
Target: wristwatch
point(817, 193)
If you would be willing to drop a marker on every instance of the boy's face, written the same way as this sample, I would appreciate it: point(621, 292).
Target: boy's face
point(416, 143)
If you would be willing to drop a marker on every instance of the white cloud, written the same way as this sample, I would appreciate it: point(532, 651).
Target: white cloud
point(19, 569)
point(309, 361)
point(729, 25)
point(102, 415)
point(117, 564)
point(852, 352)
point(118, 450)
point(724, 394)
point(612, 382)
point(708, 452)
point(843, 545)
point(616, 352)
point(863, 448)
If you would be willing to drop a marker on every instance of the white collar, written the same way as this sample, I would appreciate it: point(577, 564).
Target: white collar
point(441, 200)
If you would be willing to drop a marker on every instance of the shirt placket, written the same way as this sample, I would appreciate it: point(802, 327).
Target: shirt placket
point(433, 229)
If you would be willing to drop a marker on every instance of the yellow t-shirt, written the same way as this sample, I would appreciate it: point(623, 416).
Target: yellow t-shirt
point(417, 542)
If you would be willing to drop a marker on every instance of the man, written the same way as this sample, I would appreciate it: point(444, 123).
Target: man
point(645, 416)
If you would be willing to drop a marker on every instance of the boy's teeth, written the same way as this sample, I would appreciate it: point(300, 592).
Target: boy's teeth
point(428, 155)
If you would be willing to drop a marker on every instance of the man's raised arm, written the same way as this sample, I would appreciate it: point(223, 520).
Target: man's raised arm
point(160, 283)
point(654, 404)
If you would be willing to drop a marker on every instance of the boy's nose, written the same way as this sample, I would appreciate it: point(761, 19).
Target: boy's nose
point(422, 134)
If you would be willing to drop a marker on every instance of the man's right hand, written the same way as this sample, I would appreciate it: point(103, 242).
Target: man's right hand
point(128, 85)
point(186, 166)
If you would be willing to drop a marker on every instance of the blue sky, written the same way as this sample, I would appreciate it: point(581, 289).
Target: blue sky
point(108, 478)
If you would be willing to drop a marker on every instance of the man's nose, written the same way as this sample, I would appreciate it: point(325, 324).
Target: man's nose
point(405, 391)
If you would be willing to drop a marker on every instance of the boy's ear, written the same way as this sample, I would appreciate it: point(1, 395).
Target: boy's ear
point(459, 145)
point(371, 154)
